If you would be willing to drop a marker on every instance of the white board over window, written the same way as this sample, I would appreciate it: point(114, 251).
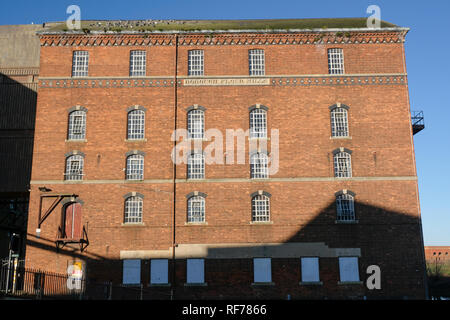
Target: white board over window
point(310, 269)
point(195, 271)
point(262, 270)
point(132, 271)
point(159, 271)
point(348, 269)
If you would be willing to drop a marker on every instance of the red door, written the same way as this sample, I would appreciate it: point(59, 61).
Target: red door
point(73, 221)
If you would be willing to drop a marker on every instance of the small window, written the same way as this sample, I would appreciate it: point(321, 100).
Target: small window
point(310, 269)
point(339, 122)
point(195, 271)
point(159, 273)
point(260, 208)
point(256, 62)
point(136, 125)
point(80, 63)
point(195, 62)
point(135, 167)
point(196, 209)
point(196, 124)
point(259, 166)
point(342, 165)
point(74, 167)
point(345, 206)
point(133, 209)
point(258, 123)
point(335, 61)
point(77, 125)
point(196, 166)
point(348, 269)
point(131, 271)
point(137, 63)
point(262, 270)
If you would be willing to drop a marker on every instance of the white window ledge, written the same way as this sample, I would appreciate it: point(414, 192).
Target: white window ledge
point(136, 140)
point(196, 223)
point(133, 224)
point(159, 284)
point(261, 222)
point(75, 140)
point(347, 137)
point(310, 283)
point(256, 284)
point(202, 284)
point(350, 282)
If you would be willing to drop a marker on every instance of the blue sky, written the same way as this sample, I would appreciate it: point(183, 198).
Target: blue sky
point(427, 55)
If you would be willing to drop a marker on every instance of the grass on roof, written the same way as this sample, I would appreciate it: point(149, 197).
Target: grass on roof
point(196, 25)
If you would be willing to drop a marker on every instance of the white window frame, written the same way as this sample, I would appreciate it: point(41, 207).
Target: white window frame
point(259, 166)
point(74, 167)
point(77, 125)
point(80, 64)
point(136, 124)
point(342, 165)
point(310, 269)
point(196, 209)
point(133, 210)
point(159, 271)
point(262, 270)
point(135, 167)
point(131, 272)
point(256, 63)
point(260, 208)
point(138, 62)
point(339, 122)
point(196, 124)
point(336, 61)
point(196, 166)
point(345, 207)
point(195, 62)
point(349, 269)
point(258, 123)
point(195, 271)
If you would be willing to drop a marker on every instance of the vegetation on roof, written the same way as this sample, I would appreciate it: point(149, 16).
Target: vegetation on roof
point(197, 25)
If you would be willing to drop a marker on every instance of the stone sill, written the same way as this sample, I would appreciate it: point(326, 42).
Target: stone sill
point(76, 140)
point(133, 224)
point(348, 137)
point(310, 283)
point(203, 284)
point(196, 223)
point(135, 140)
point(343, 283)
point(163, 285)
point(261, 222)
point(258, 284)
point(346, 222)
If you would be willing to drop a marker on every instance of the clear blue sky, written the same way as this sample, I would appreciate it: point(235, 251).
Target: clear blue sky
point(427, 54)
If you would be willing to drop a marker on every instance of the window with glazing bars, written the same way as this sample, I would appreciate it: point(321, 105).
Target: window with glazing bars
point(345, 205)
point(335, 61)
point(196, 166)
point(80, 62)
point(259, 166)
point(196, 209)
point(342, 165)
point(196, 124)
point(258, 123)
point(136, 125)
point(77, 125)
point(260, 208)
point(137, 63)
point(133, 210)
point(256, 62)
point(339, 122)
point(195, 62)
point(135, 167)
point(74, 167)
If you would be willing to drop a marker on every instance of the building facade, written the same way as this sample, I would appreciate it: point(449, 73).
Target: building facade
point(228, 164)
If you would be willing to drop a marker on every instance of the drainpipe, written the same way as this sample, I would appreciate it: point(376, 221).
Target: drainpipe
point(174, 174)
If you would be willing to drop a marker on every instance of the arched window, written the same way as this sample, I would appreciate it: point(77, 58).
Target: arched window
point(342, 163)
point(133, 209)
point(74, 167)
point(261, 207)
point(196, 166)
point(77, 125)
point(345, 206)
point(196, 123)
point(259, 168)
point(258, 123)
point(136, 124)
point(196, 208)
point(339, 121)
point(135, 167)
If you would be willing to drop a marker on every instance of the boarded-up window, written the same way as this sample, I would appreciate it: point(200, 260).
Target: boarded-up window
point(159, 271)
point(262, 270)
point(310, 269)
point(195, 271)
point(348, 269)
point(131, 271)
point(72, 221)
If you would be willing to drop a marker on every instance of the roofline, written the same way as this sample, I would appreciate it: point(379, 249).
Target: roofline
point(316, 30)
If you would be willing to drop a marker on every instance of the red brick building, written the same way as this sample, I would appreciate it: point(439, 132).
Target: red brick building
point(331, 103)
